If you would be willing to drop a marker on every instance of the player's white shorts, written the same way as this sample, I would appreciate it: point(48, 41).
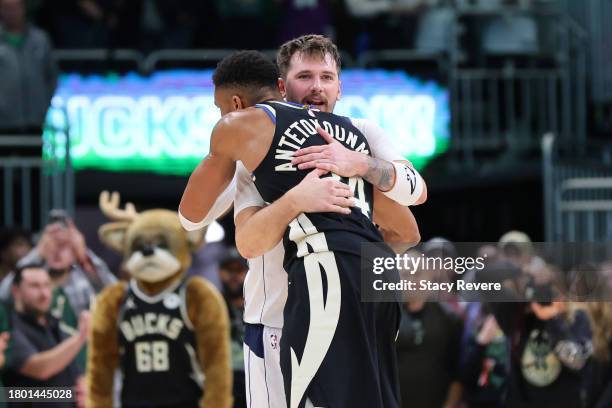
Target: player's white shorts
point(264, 379)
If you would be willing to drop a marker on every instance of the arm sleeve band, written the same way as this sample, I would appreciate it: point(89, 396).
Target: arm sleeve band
point(408, 185)
point(220, 207)
point(246, 192)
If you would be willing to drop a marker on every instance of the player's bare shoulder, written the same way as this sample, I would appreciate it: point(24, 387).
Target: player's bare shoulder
point(243, 124)
point(244, 135)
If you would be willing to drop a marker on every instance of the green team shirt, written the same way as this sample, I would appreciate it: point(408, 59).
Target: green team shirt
point(69, 322)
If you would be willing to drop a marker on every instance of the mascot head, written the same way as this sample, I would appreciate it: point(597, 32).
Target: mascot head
point(156, 248)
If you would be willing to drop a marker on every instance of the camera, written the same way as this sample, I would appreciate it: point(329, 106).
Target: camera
point(543, 294)
point(58, 216)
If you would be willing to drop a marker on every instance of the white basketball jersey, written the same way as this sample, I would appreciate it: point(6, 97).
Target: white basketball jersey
point(265, 285)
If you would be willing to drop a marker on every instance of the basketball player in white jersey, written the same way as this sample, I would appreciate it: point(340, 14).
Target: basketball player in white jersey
point(309, 75)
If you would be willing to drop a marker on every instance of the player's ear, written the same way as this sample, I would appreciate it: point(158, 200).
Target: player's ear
point(339, 90)
point(237, 103)
point(282, 88)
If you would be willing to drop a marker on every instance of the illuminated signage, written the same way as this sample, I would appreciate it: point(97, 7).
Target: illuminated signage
point(163, 123)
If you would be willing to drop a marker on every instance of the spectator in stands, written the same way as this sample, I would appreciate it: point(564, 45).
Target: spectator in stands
point(516, 247)
point(600, 371)
point(42, 354)
point(80, 272)
point(81, 23)
point(550, 344)
point(442, 248)
point(251, 16)
point(490, 255)
point(232, 271)
point(305, 17)
point(484, 367)
point(27, 69)
point(428, 350)
point(15, 243)
point(168, 23)
point(385, 23)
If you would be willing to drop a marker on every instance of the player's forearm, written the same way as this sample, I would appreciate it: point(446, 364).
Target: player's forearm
point(221, 206)
point(205, 184)
point(398, 224)
point(265, 228)
point(380, 173)
point(46, 364)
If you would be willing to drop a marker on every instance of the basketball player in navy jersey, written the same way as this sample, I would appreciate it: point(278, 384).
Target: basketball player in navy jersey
point(251, 129)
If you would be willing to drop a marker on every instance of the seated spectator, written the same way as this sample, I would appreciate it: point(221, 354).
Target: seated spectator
point(27, 69)
point(15, 243)
point(232, 271)
point(42, 354)
point(78, 271)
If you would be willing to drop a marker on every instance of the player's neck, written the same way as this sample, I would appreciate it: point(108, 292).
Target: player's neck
point(269, 96)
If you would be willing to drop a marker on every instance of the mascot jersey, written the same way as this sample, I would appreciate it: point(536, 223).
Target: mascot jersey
point(156, 338)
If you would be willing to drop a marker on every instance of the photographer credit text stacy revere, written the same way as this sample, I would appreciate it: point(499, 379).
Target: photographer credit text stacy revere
point(432, 286)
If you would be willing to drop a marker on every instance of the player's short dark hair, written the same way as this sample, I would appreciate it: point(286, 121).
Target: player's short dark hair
point(25, 266)
point(249, 70)
point(310, 45)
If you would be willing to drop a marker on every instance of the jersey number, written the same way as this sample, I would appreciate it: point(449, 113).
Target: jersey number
point(357, 187)
point(152, 356)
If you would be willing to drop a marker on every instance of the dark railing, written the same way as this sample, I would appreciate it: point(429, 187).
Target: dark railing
point(577, 191)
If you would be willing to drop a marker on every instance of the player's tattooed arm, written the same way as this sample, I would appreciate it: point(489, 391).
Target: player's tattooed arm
point(379, 173)
point(345, 162)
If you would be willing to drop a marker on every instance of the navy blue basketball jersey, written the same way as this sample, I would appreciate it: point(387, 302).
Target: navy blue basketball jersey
point(157, 348)
point(314, 232)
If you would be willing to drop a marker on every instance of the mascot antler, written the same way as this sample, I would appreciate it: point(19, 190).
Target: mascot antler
point(109, 204)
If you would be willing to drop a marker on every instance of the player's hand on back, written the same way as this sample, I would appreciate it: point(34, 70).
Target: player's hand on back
point(332, 157)
point(316, 194)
